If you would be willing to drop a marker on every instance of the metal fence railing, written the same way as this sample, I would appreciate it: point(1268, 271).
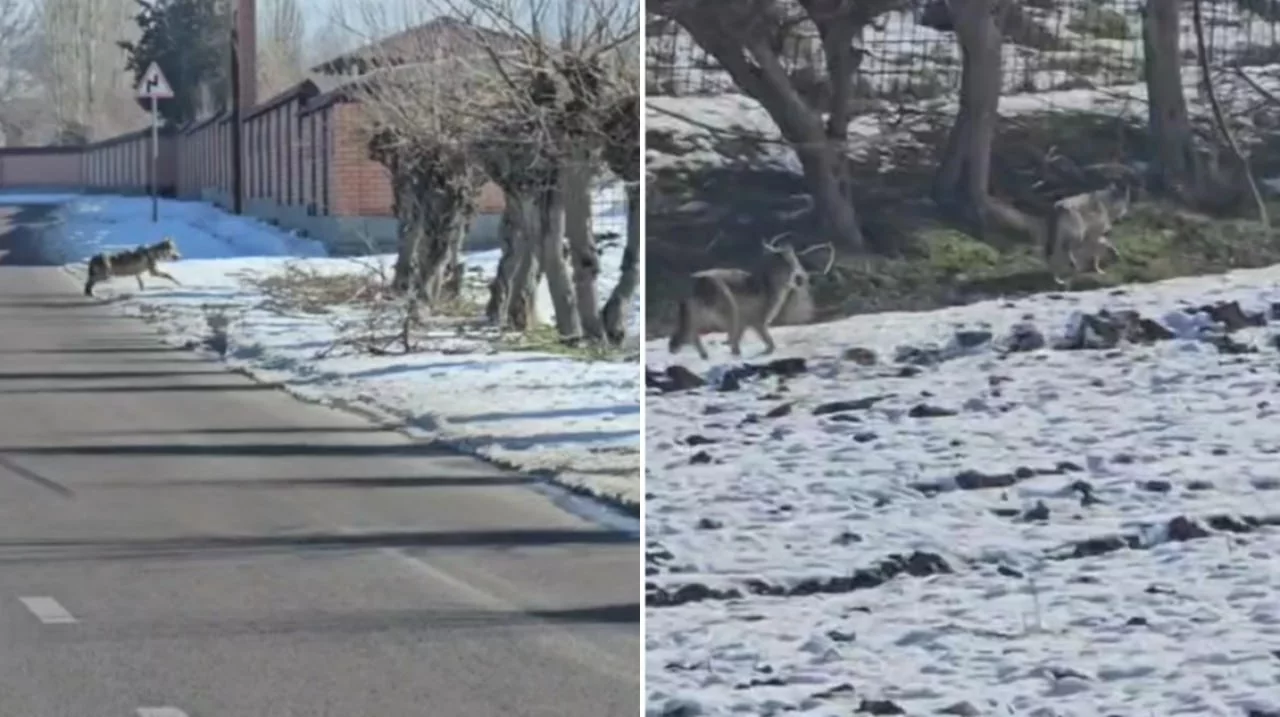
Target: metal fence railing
point(1050, 45)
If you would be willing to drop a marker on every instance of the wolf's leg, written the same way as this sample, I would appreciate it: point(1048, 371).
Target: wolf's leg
point(697, 344)
point(1054, 263)
point(763, 332)
point(165, 275)
point(1105, 241)
point(735, 333)
point(1098, 245)
point(139, 278)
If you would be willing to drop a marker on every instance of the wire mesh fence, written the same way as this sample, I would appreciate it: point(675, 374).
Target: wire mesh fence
point(1050, 45)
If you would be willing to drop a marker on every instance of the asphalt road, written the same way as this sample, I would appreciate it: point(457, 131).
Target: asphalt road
point(177, 540)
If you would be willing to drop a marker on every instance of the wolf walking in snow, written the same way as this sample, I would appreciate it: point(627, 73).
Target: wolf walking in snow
point(1078, 226)
point(732, 300)
point(132, 262)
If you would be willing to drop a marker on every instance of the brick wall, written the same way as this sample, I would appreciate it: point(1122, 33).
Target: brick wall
point(363, 186)
point(304, 156)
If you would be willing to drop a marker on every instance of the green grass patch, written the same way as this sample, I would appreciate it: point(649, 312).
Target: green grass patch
point(1156, 242)
point(545, 339)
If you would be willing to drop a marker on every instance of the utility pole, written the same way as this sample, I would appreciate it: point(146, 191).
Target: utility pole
point(237, 148)
point(244, 88)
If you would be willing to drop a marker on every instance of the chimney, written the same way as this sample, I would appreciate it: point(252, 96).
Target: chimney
point(246, 19)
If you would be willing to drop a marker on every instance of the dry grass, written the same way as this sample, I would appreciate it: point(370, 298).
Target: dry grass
point(368, 314)
point(370, 317)
point(299, 288)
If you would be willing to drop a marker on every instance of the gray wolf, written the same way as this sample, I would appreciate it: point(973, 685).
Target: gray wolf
point(732, 300)
point(1078, 228)
point(132, 262)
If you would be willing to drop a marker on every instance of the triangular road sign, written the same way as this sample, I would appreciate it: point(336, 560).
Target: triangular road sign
point(154, 84)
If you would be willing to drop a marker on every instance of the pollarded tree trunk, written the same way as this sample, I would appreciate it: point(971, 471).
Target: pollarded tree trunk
point(963, 179)
point(618, 307)
point(622, 154)
point(428, 261)
point(433, 193)
point(575, 186)
point(551, 245)
point(1175, 167)
point(409, 231)
point(962, 184)
point(500, 287)
point(520, 304)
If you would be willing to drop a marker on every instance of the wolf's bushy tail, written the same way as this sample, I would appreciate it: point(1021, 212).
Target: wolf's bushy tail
point(98, 270)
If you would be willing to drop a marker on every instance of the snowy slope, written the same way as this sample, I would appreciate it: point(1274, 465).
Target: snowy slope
point(1042, 532)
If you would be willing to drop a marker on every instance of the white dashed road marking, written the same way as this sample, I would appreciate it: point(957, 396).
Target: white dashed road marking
point(48, 611)
point(160, 712)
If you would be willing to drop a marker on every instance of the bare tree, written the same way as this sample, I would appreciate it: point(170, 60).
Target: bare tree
point(622, 153)
point(83, 69)
point(281, 61)
point(571, 66)
point(332, 38)
point(499, 87)
point(962, 182)
point(427, 90)
point(1176, 168)
point(748, 37)
point(418, 127)
point(17, 22)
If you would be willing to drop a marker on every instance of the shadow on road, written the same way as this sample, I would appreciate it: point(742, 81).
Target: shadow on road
point(212, 371)
point(22, 234)
point(178, 388)
point(286, 483)
point(230, 450)
point(101, 350)
point(423, 624)
point(230, 431)
point(38, 551)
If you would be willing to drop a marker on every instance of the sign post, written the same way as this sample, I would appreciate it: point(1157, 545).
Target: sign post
point(155, 87)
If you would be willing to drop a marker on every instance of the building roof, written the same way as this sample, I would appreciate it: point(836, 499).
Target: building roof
point(441, 36)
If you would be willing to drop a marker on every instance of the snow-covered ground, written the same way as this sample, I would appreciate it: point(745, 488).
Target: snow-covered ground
point(1096, 66)
point(694, 124)
point(771, 530)
point(578, 420)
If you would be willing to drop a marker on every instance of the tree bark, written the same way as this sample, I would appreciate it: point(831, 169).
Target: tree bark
point(827, 172)
point(618, 308)
point(434, 213)
point(821, 148)
point(520, 304)
point(1175, 166)
point(576, 189)
point(551, 245)
point(962, 183)
point(500, 287)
